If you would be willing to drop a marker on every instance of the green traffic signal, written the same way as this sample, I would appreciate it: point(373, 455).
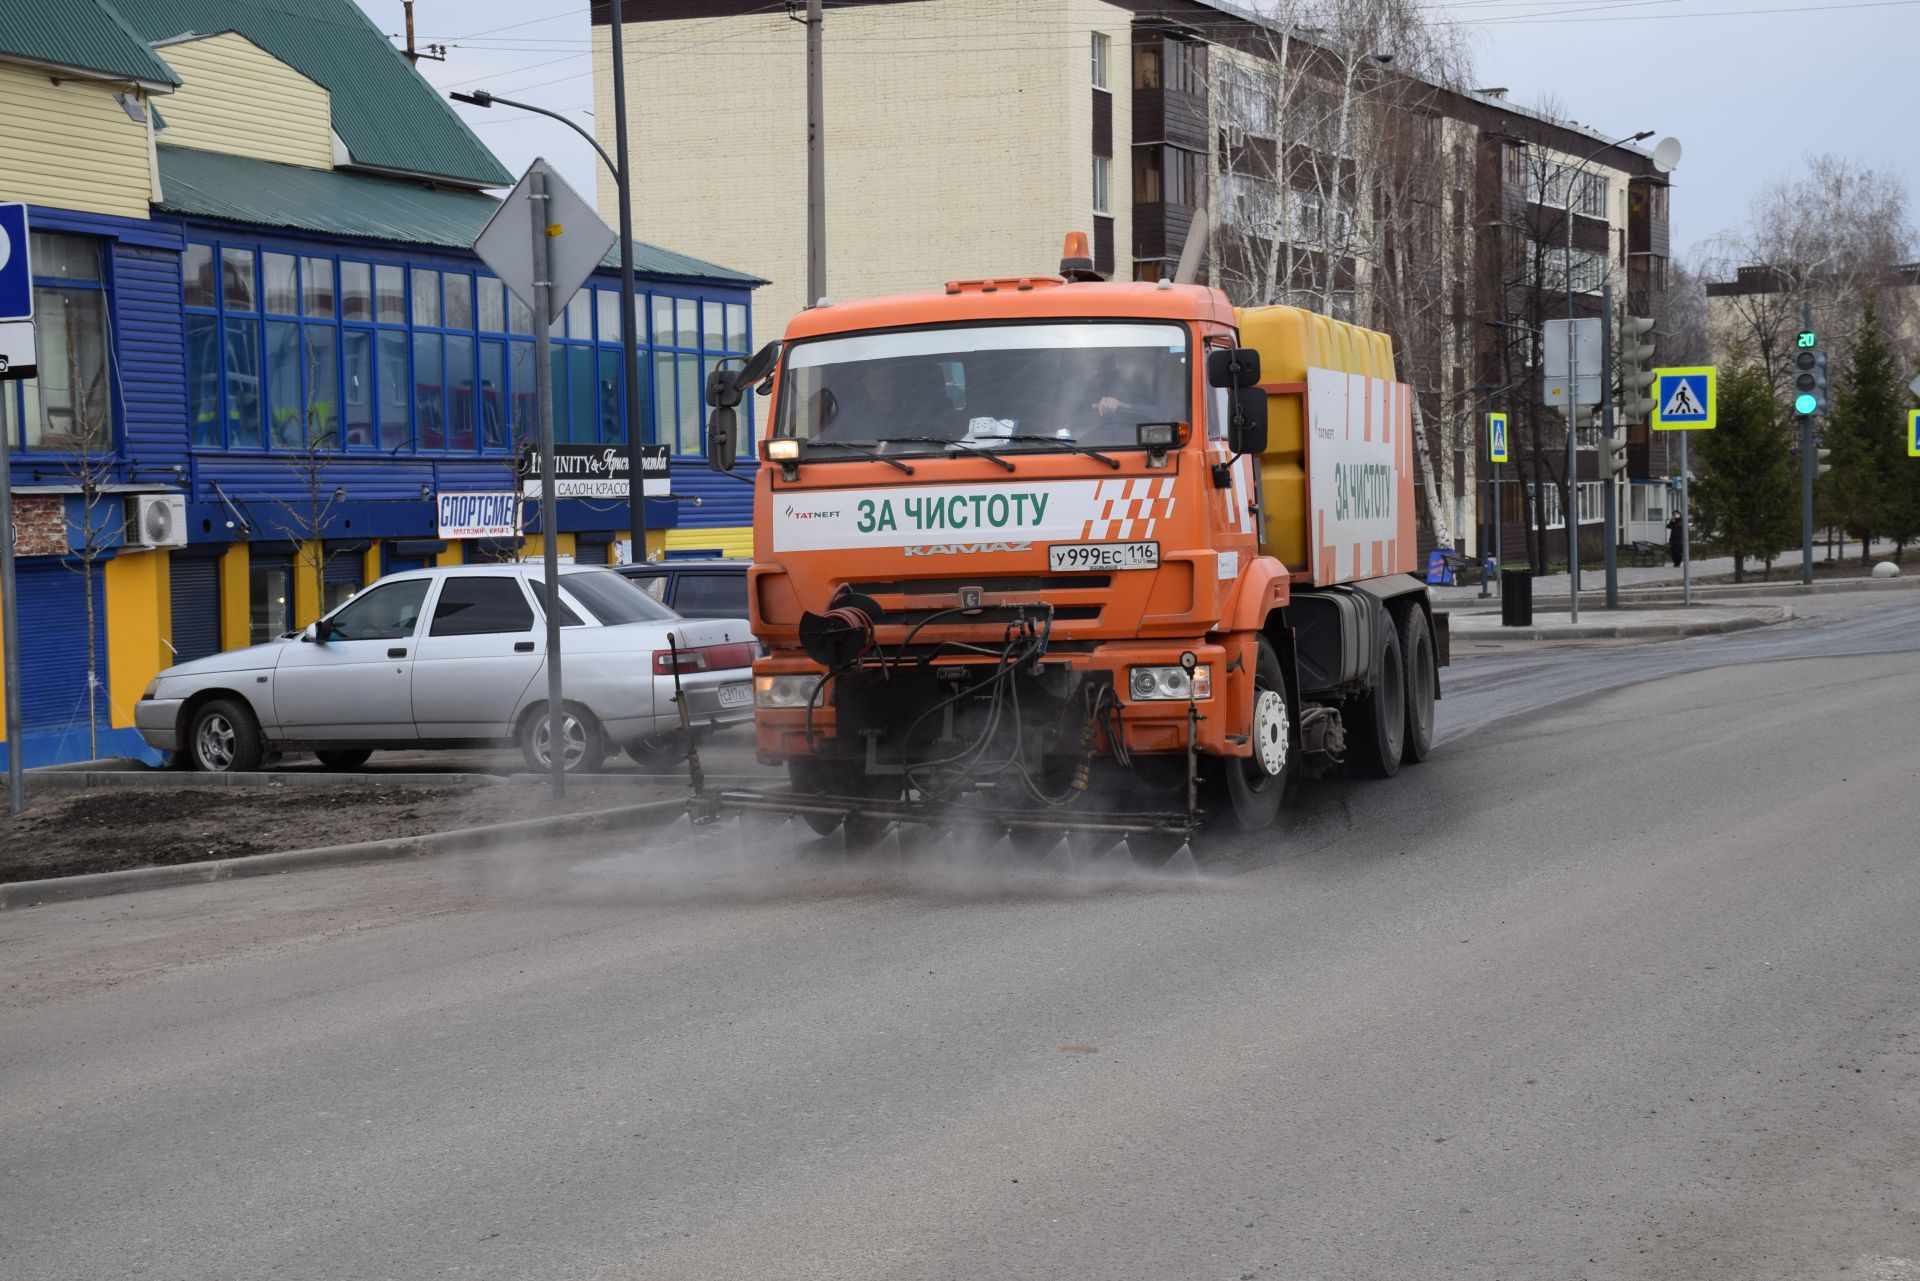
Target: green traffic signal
point(1806, 403)
point(1808, 338)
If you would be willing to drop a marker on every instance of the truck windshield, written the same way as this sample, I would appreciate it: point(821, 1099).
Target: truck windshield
point(1084, 382)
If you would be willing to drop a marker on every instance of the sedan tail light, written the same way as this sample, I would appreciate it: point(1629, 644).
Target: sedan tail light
point(704, 658)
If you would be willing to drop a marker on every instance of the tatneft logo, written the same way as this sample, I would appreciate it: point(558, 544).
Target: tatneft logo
point(794, 513)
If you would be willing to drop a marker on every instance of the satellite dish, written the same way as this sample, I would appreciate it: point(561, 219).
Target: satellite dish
point(1666, 155)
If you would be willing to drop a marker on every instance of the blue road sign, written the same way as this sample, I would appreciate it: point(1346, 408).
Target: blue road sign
point(1913, 433)
point(1683, 399)
point(16, 279)
point(1497, 438)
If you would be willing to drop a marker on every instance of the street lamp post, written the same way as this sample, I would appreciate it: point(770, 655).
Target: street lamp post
point(1572, 515)
point(630, 316)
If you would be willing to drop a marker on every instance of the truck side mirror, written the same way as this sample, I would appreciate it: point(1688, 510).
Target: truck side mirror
point(723, 437)
point(1233, 367)
point(1247, 430)
point(760, 364)
point(724, 385)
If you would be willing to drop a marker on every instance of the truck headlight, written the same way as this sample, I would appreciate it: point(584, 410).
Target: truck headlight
point(1163, 683)
point(783, 691)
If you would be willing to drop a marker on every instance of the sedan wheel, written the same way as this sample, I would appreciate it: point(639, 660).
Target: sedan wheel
point(223, 738)
point(581, 751)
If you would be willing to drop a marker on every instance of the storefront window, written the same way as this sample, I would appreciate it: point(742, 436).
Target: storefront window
point(68, 407)
point(269, 600)
point(293, 351)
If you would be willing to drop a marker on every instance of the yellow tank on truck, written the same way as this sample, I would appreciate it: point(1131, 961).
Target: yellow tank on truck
point(1343, 511)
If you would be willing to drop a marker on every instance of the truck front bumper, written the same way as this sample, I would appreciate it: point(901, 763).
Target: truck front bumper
point(1148, 726)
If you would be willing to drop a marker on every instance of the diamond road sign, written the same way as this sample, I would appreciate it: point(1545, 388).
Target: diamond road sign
point(580, 240)
point(1684, 398)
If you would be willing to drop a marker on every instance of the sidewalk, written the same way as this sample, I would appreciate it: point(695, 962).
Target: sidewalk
point(1593, 577)
point(1619, 624)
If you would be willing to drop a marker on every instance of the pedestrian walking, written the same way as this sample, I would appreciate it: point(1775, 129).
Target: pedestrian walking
point(1674, 537)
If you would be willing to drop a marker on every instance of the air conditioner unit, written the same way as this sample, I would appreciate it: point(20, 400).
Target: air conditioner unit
point(157, 520)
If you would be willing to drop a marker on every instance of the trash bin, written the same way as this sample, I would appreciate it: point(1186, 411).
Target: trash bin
point(1516, 598)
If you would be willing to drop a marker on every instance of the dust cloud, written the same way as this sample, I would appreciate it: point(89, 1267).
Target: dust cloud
point(761, 858)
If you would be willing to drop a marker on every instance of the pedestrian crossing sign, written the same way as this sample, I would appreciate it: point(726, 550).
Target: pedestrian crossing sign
point(1683, 398)
point(1496, 438)
point(1913, 433)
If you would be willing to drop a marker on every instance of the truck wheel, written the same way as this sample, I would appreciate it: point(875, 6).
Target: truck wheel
point(831, 779)
point(224, 738)
point(1377, 721)
point(1255, 783)
point(1416, 649)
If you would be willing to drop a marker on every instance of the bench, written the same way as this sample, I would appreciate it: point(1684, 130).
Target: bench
point(1645, 553)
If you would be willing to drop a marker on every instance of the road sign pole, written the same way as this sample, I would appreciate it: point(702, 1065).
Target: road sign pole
point(1686, 528)
point(10, 633)
point(1486, 520)
point(1806, 471)
point(549, 478)
point(1611, 534)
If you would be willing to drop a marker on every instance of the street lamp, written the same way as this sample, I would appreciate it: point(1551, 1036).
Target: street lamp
point(630, 314)
point(1572, 516)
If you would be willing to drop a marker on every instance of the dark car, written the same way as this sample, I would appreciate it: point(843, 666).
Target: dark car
point(694, 588)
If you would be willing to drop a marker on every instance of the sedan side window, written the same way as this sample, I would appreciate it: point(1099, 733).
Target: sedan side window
point(654, 585)
point(388, 611)
point(480, 607)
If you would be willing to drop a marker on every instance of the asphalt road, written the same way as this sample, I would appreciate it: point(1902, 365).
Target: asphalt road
point(1621, 984)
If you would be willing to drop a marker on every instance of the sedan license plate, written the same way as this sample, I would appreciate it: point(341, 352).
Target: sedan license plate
point(1070, 558)
point(736, 695)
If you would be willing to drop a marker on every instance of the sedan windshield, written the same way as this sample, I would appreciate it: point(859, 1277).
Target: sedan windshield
point(923, 390)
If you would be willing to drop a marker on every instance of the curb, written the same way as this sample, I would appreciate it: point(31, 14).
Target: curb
point(65, 777)
point(1712, 591)
point(1636, 630)
point(15, 894)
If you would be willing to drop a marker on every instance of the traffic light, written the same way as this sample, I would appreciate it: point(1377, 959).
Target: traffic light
point(1820, 455)
point(1809, 381)
point(1636, 370)
point(1613, 456)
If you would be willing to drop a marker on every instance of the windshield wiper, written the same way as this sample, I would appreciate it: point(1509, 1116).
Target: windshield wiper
point(862, 450)
point(1071, 446)
point(949, 443)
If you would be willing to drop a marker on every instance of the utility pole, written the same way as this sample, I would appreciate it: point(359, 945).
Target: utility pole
point(630, 318)
point(816, 162)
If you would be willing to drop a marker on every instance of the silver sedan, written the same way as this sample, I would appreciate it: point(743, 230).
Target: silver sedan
point(456, 657)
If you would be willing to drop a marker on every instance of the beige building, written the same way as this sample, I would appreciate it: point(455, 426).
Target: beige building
point(964, 137)
point(948, 156)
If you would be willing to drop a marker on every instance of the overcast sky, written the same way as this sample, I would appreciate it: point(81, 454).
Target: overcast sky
point(1748, 86)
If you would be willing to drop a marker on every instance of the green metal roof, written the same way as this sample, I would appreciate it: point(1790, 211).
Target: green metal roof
point(212, 184)
point(389, 117)
point(85, 34)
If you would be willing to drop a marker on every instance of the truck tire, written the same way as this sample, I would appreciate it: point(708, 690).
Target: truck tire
point(1422, 679)
point(1256, 783)
point(834, 779)
point(1376, 722)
